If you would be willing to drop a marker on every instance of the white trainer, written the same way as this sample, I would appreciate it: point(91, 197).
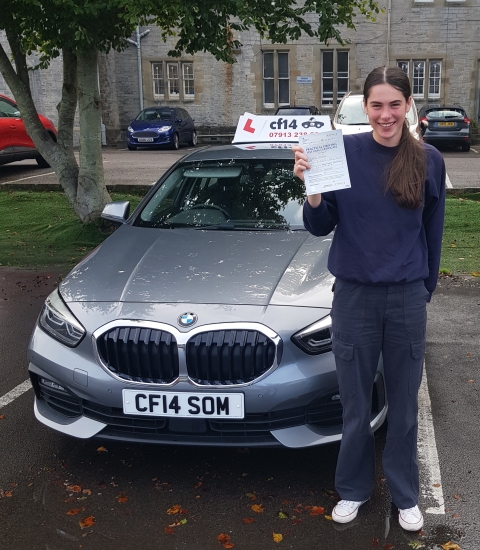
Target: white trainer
point(346, 510)
point(411, 519)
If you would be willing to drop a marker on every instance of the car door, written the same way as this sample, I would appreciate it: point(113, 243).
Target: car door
point(21, 142)
point(7, 152)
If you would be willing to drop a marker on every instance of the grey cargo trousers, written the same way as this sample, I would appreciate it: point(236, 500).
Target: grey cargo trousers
point(368, 320)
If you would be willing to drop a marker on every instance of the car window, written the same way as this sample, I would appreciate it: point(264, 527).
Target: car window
point(445, 113)
point(292, 111)
point(246, 194)
point(155, 115)
point(8, 109)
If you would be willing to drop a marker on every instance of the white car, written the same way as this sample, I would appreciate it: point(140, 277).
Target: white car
point(351, 118)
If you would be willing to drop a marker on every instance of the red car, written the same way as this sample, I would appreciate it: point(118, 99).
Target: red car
point(15, 143)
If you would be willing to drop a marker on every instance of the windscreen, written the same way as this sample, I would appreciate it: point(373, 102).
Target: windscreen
point(152, 115)
point(247, 194)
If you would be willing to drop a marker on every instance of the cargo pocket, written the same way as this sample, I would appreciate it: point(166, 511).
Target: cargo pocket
point(346, 369)
point(416, 366)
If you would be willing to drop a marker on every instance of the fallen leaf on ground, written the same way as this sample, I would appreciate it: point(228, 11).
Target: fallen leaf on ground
point(102, 450)
point(375, 543)
point(248, 520)
point(415, 544)
point(298, 509)
point(6, 494)
point(436, 485)
point(251, 496)
point(387, 546)
point(174, 509)
point(450, 546)
point(178, 523)
point(169, 530)
point(457, 497)
point(87, 492)
point(277, 537)
point(74, 511)
point(282, 515)
point(74, 488)
point(87, 522)
point(225, 540)
point(2, 416)
point(317, 511)
point(122, 497)
point(328, 517)
point(297, 521)
point(258, 508)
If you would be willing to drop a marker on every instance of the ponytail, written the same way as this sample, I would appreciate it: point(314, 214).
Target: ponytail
point(408, 171)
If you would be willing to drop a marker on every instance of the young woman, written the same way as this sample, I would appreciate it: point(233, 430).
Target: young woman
point(385, 256)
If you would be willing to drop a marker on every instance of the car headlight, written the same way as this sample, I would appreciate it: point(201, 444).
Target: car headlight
point(58, 321)
point(130, 129)
point(316, 338)
point(164, 128)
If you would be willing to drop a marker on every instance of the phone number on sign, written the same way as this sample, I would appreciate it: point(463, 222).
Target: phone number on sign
point(288, 134)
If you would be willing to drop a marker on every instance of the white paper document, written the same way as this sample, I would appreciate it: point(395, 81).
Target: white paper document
point(328, 165)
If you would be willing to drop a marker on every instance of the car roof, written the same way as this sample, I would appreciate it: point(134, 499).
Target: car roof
point(221, 152)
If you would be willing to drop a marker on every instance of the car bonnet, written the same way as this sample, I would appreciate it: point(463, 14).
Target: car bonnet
point(203, 266)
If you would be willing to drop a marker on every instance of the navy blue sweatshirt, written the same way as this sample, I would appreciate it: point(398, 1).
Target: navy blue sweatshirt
point(375, 240)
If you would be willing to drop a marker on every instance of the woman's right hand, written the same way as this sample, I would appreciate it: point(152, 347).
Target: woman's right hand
point(301, 164)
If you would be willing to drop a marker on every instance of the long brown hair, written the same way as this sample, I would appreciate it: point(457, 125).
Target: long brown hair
point(408, 170)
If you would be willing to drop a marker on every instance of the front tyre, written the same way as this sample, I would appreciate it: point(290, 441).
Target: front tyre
point(465, 147)
point(131, 148)
point(42, 163)
point(193, 141)
point(175, 142)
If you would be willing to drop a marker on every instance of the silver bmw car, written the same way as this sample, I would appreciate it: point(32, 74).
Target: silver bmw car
point(202, 320)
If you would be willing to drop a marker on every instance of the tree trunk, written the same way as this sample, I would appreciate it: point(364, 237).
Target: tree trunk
point(92, 194)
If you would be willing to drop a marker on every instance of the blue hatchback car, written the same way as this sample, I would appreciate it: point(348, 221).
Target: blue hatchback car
point(161, 126)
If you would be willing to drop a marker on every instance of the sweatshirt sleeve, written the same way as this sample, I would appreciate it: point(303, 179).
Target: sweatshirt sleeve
point(321, 220)
point(433, 220)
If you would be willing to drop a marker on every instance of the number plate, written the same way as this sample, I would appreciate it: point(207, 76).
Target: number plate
point(145, 140)
point(446, 123)
point(182, 404)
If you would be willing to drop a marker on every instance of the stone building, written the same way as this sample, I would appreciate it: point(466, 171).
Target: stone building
point(437, 42)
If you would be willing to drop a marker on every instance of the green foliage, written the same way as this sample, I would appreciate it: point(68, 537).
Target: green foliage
point(48, 26)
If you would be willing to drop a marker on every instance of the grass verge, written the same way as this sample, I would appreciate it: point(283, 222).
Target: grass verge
point(461, 237)
point(39, 229)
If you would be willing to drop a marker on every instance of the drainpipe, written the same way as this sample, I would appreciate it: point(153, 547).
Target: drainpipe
point(139, 36)
point(389, 10)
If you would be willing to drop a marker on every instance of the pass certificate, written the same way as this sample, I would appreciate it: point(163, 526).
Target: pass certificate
point(328, 165)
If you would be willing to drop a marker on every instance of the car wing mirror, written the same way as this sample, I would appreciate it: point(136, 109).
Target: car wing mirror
point(17, 114)
point(116, 212)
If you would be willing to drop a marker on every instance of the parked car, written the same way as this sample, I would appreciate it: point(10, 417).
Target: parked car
point(446, 125)
point(350, 116)
point(297, 110)
point(204, 319)
point(160, 126)
point(15, 143)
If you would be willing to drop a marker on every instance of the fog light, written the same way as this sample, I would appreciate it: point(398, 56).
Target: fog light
point(52, 385)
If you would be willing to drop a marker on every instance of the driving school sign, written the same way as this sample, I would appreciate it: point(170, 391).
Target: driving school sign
point(254, 129)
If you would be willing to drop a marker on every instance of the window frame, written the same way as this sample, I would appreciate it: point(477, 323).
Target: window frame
point(276, 77)
point(173, 78)
point(335, 76)
point(424, 81)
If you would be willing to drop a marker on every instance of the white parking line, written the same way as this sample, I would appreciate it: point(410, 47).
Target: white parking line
point(13, 394)
point(448, 182)
point(430, 476)
point(474, 150)
point(29, 177)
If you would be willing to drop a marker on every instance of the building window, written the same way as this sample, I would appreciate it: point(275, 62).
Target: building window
point(335, 76)
point(276, 79)
point(418, 72)
point(166, 77)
